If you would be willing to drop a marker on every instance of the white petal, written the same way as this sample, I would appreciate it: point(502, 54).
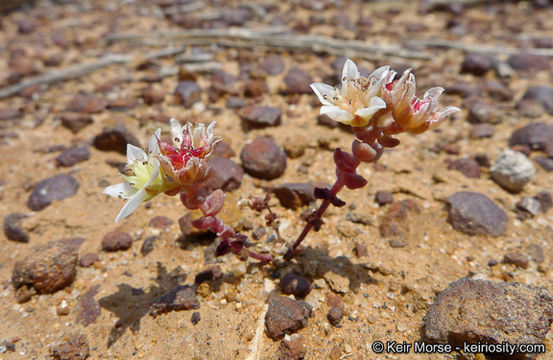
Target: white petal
point(433, 92)
point(122, 190)
point(209, 130)
point(448, 110)
point(199, 132)
point(176, 131)
point(155, 173)
point(153, 145)
point(337, 114)
point(380, 73)
point(349, 72)
point(324, 92)
point(135, 153)
point(375, 105)
point(132, 204)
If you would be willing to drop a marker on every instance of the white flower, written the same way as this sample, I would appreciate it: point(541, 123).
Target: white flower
point(146, 181)
point(357, 101)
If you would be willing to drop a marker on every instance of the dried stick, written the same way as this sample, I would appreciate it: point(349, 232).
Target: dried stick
point(485, 49)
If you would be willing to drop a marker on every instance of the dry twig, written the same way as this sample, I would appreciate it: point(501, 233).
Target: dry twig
point(485, 49)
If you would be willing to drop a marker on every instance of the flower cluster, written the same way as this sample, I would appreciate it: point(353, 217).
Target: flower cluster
point(165, 168)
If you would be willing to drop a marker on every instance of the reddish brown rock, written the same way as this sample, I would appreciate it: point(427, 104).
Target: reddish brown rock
point(529, 62)
point(55, 188)
point(383, 197)
point(272, 64)
point(74, 348)
point(87, 308)
point(294, 195)
point(263, 158)
point(75, 121)
point(336, 309)
point(116, 240)
point(88, 104)
point(476, 64)
point(188, 93)
point(534, 135)
point(88, 259)
point(285, 316)
point(256, 117)
point(291, 348)
point(161, 222)
point(480, 131)
point(122, 104)
point(13, 228)
point(115, 139)
point(474, 213)
point(73, 156)
point(466, 166)
point(295, 284)
point(516, 258)
point(153, 96)
point(298, 81)
point(179, 298)
point(255, 87)
point(225, 174)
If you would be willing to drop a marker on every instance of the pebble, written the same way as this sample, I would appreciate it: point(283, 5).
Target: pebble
point(530, 205)
point(88, 259)
point(74, 348)
point(462, 89)
point(468, 310)
point(482, 160)
point(210, 273)
point(263, 158)
point(545, 163)
point(122, 104)
point(476, 64)
point(222, 83)
point(498, 91)
point(294, 195)
point(466, 166)
point(179, 298)
point(55, 188)
point(292, 347)
point(116, 240)
point(512, 170)
point(336, 310)
point(13, 228)
point(236, 17)
point(195, 318)
point(48, 268)
point(535, 252)
point(272, 64)
point(6, 345)
point(87, 308)
point(474, 213)
point(63, 309)
point(153, 96)
point(160, 222)
point(337, 283)
point(148, 245)
point(75, 122)
point(297, 82)
point(255, 87)
point(257, 117)
point(224, 150)
point(529, 62)
point(383, 197)
point(543, 95)
point(188, 93)
point(73, 156)
point(225, 174)
point(285, 316)
point(235, 102)
point(545, 199)
point(115, 139)
point(480, 131)
point(481, 112)
point(517, 258)
point(89, 104)
point(296, 285)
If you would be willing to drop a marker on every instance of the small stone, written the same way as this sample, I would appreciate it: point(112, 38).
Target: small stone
point(476, 64)
point(482, 160)
point(75, 122)
point(468, 311)
point(259, 233)
point(535, 135)
point(224, 150)
point(535, 252)
point(24, 294)
point(210, 273)
point(337, 283)
point(263, 158)
point(462, 89)
point(545, 163)
point(295, 284)
point(272, 64)
point(63, 309)
point(26, 26)
point(122, 104)
point(148, 245)
point(179, 298)
point(530, 108)
point(480, 112)
point(480, 131)
point(6, 345)
point(336, 310)
point(55, 188)
point(195, 318)
point(294, 195)
point(188, 93)
point(529, 62)
point(73, 155)
point(89, 104)
point(291, 348)
point(516, 258)
point(498, 91)
point(116, 240)
point(285, 316)
point(466, 166)
point(161, 222)
point(383, 197)
point(13, 228)
point(236, 17)
point(235, 102)
point(530, 205)
point(512, 170)
point(474, 213)
point(48, 268)
point(87, 308)
point(225, 174)
point(360, 250)
point(543, 95)
point(222, 83)
point(88, 259)
point(74, 348)
point(298, 81)
point(324, 120)
point(545, 199)
point(115, 139)
point(257, 117)
point(153, 96)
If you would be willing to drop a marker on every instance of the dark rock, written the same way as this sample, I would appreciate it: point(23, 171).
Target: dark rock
point(116, 240)
point(224, 150)
point(474, 213)
point(525, 150)
point(55, 188)
point(394, 223)
point(210, 273)
point(294, 195)
point(467, 166)
point(48, 268)
point(259, 233)
point(73, 155)
point(529, 62)
point(383, 197)
point(482, 160)
point(359, 218)
point(188, 93)
point(495, 312)
point(75, 121)
point(24, 294)
point(324, 120)
point(545, 199)
point(336, 310)
point(153, 96)
point(498, 91)
point(298, 81)
point(257, 117)
point(161, 222)
point(185, 224)
point(88, 259)
point(195, 318)
point(122, 104)
point(476, 64)
point(516, 258)
point(535, 252)
point(255, 87)
point(148, 245)
point(115, 139)
point(285, 316)
point(88, 104)
point(543, 95)
point(87, 308)
point(545, 163)
point(74, 348)
point(13, 229)
point(222, 83)
point(462, 89)
point(236, 17)
point(272, 64)
point(295, 284)
point(480, 112)
point(360, 250)
point(530, 108)
point(291, 348)
point(7, 346)
point(235, 102)
point(263, 158)
point(480, 131)
point(179, 298)
point(225, 174)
